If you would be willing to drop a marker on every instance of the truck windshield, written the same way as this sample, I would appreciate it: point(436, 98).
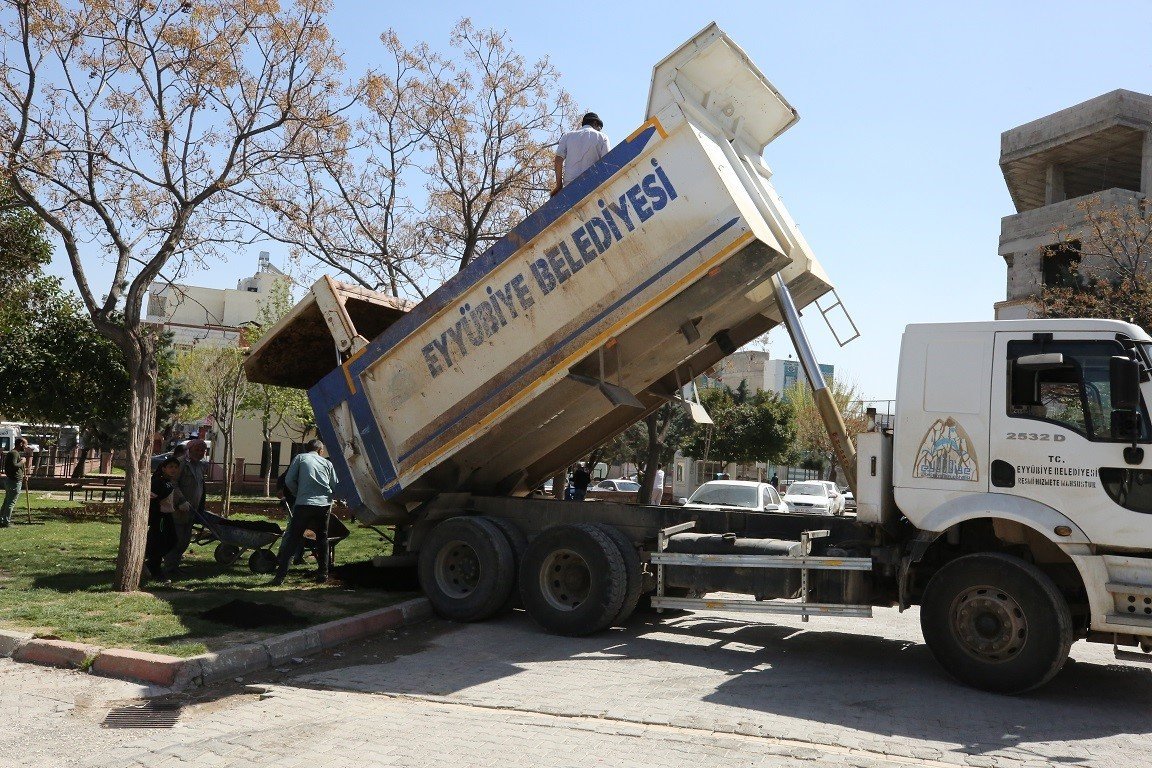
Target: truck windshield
point(725, 495)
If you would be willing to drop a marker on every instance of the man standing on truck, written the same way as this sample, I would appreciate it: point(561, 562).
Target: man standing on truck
point(579, 150)
point(312, 479)
point(187, 500)
point(15, 470)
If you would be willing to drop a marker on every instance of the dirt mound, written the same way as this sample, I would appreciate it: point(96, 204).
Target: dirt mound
point(245, 614)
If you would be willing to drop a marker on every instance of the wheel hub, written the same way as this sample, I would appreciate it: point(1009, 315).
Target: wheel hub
point(457, 569)
point(989, 623)
point(565, 580)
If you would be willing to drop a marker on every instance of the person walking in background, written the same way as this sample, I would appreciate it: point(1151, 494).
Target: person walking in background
point(579, 150)
point(312, 479)
point(15, 470)
point(188, 499)
point(775, 481)
point(161, 533)
point(658, 485)
point(581, 477)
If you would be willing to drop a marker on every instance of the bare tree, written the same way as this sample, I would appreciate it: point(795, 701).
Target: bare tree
point(1109, 263)
point(490, 119)
point(350, 208)
point(132, 127)
point(447, 153)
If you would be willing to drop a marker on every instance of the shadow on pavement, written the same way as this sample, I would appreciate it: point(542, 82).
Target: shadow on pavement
point(872, 685)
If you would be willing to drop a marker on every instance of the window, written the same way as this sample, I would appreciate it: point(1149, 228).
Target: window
point(1059, 264)
point(1073, 389)
point(808, 489)
point(724, 495)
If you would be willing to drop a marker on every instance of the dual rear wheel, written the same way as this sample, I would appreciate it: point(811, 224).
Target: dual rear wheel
point(571, 579)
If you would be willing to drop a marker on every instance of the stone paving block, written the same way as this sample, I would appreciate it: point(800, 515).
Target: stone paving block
point(55, 653)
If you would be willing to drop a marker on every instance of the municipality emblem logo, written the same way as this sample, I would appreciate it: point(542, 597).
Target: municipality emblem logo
point(946, 453)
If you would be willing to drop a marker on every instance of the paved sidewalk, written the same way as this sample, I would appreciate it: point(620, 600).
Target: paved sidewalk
point(702, 691)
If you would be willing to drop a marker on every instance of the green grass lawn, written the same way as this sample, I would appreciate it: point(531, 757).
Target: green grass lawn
point(55, 576)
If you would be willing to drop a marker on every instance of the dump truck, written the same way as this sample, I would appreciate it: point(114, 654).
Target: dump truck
point(1009, 499)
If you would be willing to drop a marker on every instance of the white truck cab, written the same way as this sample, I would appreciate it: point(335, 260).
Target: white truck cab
point(1026, 440)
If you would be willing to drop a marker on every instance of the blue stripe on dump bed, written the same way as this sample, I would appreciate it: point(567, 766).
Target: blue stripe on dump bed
point(518, 376)
point(333, 388)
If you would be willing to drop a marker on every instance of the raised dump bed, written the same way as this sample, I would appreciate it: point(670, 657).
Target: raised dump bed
point(642, 273)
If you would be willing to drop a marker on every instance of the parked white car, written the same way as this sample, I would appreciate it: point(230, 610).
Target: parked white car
point(811, 497)
point(619, 485)
point(737, 494)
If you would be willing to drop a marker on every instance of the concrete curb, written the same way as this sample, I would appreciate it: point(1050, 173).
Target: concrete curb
point(55, 653)
point(176, 673)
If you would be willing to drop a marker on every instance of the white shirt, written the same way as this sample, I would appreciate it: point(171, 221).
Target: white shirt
point(580, 150)
point(658, 486)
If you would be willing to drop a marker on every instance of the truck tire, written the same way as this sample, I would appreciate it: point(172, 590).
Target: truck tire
point(573, 580)
point(633, 570)
point(467, 568)
point(996, 623)
point(519, 544)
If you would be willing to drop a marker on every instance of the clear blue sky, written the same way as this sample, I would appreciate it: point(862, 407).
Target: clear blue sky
point(892, 170)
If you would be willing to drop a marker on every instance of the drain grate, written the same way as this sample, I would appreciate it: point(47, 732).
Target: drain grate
point(150, 714)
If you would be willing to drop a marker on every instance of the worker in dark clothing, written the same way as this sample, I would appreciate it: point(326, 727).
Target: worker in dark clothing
point(161, 529)
point(15, 470)
point(580, 480)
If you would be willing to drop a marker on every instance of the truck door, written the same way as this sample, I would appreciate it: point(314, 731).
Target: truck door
point(1054, 437)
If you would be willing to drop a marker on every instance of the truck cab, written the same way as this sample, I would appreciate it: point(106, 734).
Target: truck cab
point(1025, 440)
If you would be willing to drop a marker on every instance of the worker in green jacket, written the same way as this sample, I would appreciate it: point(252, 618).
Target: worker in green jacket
point(311, 478)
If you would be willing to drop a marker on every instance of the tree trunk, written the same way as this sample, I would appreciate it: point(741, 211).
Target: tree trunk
point(141, 364)
point(226, 496)
point(81, 463)
point(652, 460)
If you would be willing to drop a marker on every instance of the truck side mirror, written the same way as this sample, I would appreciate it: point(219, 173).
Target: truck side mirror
point(1124, 381)
point(1124, 374)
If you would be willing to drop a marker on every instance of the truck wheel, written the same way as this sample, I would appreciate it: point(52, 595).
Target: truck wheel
point(519, 544)
point(996, 622)
point(573, 580)
point(632, 570)
point(466, 568)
